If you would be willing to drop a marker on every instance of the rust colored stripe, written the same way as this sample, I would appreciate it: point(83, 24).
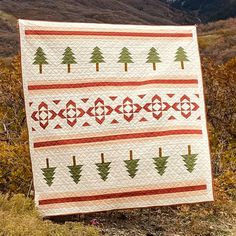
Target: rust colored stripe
point(92, 33)
point(111, 84)
point(114, 137)
point(124, 194)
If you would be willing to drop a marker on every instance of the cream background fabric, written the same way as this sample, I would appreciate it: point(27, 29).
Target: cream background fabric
point(144, 149)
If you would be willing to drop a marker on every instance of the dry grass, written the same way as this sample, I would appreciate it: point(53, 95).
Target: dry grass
point(18, 216)
point(218, 39)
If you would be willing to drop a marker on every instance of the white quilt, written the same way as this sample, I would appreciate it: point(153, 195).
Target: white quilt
point(116, 116)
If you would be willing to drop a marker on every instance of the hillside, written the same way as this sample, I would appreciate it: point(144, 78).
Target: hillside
point(207, 10)
point(218, 40)
point(155, 12)
point(106, 11)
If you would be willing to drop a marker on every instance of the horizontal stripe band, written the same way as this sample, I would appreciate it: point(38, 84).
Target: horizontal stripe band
point(124, 194)
point(93, 33)
point(114, 137)
point(112, 84)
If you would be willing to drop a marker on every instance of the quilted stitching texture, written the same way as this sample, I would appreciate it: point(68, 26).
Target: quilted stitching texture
point(115, 115)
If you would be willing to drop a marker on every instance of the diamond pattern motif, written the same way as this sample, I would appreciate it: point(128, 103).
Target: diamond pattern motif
point(100, 109)
point(128, 109)
point(71, 113)
point(185, 106)
point(155, 107)
point(43, 115)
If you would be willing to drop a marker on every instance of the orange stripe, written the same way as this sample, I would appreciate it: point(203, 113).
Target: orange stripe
point(114, 137)
point(124, 194)
point(117, 201)
point(113, 189)
point(93, 33)
point(106, 84)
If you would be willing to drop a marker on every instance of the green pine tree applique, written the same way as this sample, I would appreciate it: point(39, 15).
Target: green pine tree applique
point(181, 56)
point(68, 58)
point(153, 58)
point(40, 59)
point(97, 57)
point(103, 168)
point(190, 160)
point(131, 165)
point(48, 173)
point(75, 171)
point(125, 57)
point(160, 163)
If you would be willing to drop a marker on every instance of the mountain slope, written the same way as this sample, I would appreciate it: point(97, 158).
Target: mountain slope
point(207, 10)
point(106, 11)
point(218, 40)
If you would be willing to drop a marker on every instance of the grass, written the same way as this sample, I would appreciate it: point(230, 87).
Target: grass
point(206, 40)
point(217, 40)
point(18, 216)
point(8, 18)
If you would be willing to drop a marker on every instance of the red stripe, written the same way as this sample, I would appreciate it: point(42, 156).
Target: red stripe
point(115, 84)
point(114, 137)
point(92, 33)
point(124, 194)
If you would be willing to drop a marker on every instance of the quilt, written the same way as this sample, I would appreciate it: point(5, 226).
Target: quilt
point(116, 116)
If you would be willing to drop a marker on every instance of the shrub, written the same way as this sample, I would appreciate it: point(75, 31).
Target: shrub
point(15, 172)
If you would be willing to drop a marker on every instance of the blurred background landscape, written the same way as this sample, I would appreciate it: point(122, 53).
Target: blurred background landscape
point(217, 40)
point(151, 12)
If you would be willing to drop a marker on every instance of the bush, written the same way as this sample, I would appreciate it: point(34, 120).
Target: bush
point(15, 172)
point(220, 90)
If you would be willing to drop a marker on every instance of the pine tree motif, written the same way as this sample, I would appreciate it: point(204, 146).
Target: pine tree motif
point(40, 59)
point(131, 165)
point(190, 160)
point(75, 171)
point(68, 58)
point(181, 56)
point(160, 163)
point(97, 57)
point(48, 173)
point(125, 57)
point(153, 57)
point(103, 168)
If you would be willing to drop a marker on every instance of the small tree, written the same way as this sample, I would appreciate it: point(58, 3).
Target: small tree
point(68, 58)
point(160, 163)
point(190, 160)
point(181, 56)
point(48, 173)
point(75, 171)
point(40, 59)
point(103, 168)
point(125, 58)
point(97, 57)
point(153, 57)
point(131, 165)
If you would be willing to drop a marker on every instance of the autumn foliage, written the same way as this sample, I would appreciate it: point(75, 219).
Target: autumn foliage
point(220, 93)
point(15, 171)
